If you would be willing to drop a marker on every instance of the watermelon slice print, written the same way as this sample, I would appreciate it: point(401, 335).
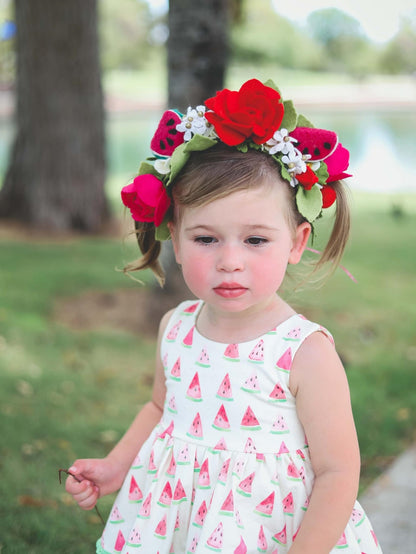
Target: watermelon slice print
point(166, 496)
point(250, 447)
point(293, 473)
point(134, 537)
point(204, 481)
point(257, 354)
point(184, 457)
point(221, 445)
point(280, 427)
point(167, 137)
point(293, 335)
point(152, 468)
point(284, 363)
point(167, 431)
point(172, 405)
point(221, 420)
point(277, 394)
point(135, 494)
point(238, 520)
point(249, 421)
point(261, 541)
point(265, 508)
point(281, 537)
point(203, 359)
point(175, 372)
point(160, 531)
point(227, 508)
point(188, 340)
point(191, 309)
point(224, 390)
point(342, 542)
point(137, 463)
point(283, 449)
point(231, 353)
point(244, 487)
point(170, 472)
point(215, 541)
point(251, 384)
point(200, 515)
point(241, 548)
point(194, 390)
point(288, 504)
point(120, 542)
point(193, 547)
point(144, 512)
point(115, 516)
point(195, 431)
point(173, 332)
point(357, 517)
point(179, 495)
point(305, 505)
point(222, 477)
point(239, 466)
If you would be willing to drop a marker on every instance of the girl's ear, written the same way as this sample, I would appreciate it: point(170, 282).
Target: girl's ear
point(299, 242)
point(174, 238)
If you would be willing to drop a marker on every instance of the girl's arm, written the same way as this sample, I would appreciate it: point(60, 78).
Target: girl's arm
point(320, 385)
point(104, 476)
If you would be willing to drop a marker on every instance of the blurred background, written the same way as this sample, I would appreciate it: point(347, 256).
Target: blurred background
point(82, 88)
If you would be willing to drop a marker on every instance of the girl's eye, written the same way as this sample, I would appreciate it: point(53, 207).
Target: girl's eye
point(205, 240)
point(256, 241)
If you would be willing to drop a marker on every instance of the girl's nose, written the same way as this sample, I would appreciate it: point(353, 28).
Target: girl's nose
point(230, 259)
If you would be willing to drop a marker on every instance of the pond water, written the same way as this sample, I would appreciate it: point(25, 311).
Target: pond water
point(382, 145)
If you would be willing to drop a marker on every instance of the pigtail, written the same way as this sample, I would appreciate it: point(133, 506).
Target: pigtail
point(150, 248)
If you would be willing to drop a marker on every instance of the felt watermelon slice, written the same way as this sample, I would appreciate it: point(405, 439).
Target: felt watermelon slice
point(115, 516)
point(135, 494)
point(188, 340)
point(175, 372)
point(194, 389)
point(179, 495)
point(251, 384)
point(317, 143)
point(287, 503)
point(191, 309)
point(265, 508)
point(145, 510)
point(120, 542)
point(224, 390)
point(215, 541)
point(204, 481)
point(231, 353)
point(200, 515)
point(160, 531)
point(195, 429)
point(277, 394)
point(203, 359)
point(221, 420)
point(134, 539)
point(280, 427)
point(222, 477)
point(167, 137)
point(166, 496)
point(261, 541)
point(244, 487)
point(249, 421)
point(173, 332)
point(284, 363)
point(281, 537)
point(257, 354)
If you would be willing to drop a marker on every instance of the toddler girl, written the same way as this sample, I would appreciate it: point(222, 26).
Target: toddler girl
point(248, 443)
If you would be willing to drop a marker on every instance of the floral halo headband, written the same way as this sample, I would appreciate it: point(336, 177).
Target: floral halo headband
point(254, 117)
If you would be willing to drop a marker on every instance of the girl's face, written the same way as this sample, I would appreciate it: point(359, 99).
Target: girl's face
point(234, 251)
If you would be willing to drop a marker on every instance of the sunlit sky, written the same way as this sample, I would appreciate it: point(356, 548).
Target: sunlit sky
point(379, 18)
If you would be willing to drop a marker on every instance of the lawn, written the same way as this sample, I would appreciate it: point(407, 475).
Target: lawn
point(68, 393)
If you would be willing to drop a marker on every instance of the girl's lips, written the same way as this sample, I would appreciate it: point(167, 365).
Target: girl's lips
point(230, 290)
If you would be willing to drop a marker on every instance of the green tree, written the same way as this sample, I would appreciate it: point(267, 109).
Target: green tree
point(399, 55)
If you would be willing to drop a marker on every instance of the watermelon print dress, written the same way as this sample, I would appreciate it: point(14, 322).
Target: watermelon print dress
point(227, 469)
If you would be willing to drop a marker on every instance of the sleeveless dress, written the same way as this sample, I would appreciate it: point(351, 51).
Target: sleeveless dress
point(227, 469)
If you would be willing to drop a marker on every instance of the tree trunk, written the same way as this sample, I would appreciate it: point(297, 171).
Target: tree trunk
point(56, 174)
point(197, 50)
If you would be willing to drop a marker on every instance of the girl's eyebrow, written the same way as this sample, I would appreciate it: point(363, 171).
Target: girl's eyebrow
point(248, 227)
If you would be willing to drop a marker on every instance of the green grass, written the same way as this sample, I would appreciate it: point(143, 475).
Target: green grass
point(67, 393)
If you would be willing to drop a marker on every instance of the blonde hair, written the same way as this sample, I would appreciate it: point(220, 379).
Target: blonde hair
point(220, 171)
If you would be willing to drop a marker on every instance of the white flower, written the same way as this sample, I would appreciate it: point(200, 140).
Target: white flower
point(162, 165)
point(194, 123)
point(281, 142)
point(294, 162)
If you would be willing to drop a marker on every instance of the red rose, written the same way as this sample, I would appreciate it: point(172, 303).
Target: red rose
point(307, 179)
point(255, 111)
point(146, 198)
point(337, 163)
point(328, 196)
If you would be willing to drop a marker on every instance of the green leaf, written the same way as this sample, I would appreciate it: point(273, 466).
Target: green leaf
point(322, 173)
point(146, 168)
point(309, 202)
point(290, 116)
point(199, 143)
point(304, 122)
point(162, 232)
point(270, 83)
point(177, 162)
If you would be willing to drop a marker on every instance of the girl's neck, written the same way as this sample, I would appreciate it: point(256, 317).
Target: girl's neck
point(237, 327)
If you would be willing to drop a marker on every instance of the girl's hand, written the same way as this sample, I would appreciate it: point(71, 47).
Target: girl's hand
point(93, 478)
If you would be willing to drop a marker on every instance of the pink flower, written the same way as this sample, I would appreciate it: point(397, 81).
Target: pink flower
point(146, 198)
point(337, 163)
